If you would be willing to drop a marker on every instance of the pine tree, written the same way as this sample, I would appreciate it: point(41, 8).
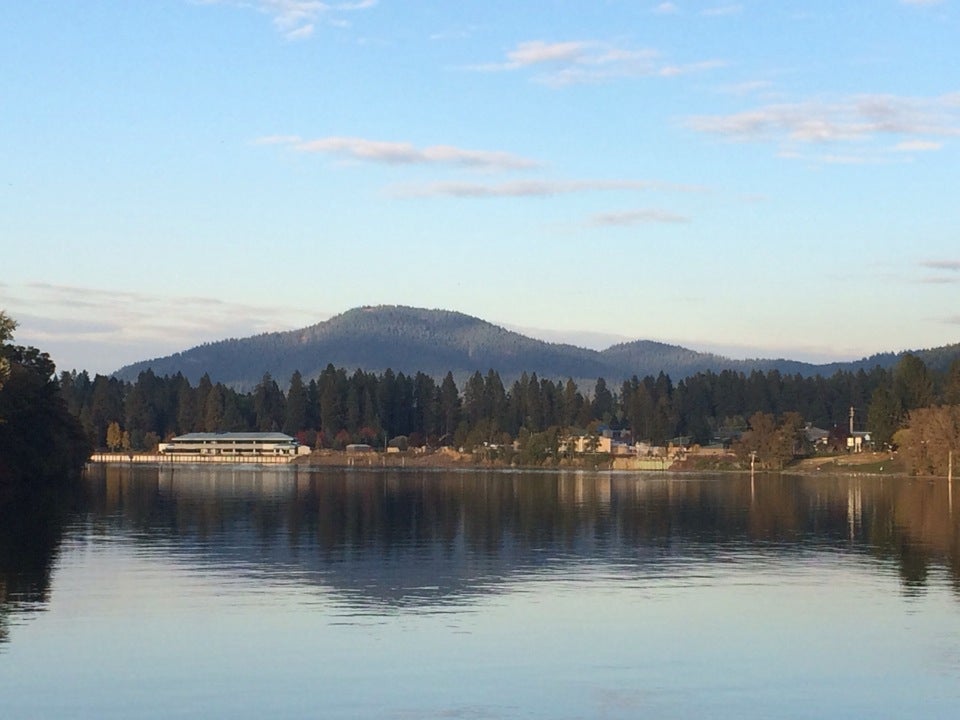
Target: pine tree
point(449, 406)
point(295, 416)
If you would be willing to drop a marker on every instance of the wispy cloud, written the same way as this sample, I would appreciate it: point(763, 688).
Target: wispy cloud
point(917, 146)
point(101, 330)
point(666, 8)
point(950, 265)
point(749, 87)
point(636, 217)
point(860, 119)
point(402, 153)
point(723, 10)
point(583, 61)
point(297, 19)
point(942, 272)
point(534, 188)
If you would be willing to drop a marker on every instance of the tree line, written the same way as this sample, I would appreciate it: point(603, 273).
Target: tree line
point(338, 408)
point(42, 445)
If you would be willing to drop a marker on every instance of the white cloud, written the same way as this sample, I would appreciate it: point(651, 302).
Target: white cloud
point(304, 31)
point(947, 272)
point(534, 188)
point(666, 8)
point(845, 160)
point(402, 153)
point(917, 146)
point(636, 217)
point(581, 61)
point(297, 19)
point(674, 70)
point(858, 119)
point(951, 265)
point(101, 330)
point(537, 51)
point(723, 10)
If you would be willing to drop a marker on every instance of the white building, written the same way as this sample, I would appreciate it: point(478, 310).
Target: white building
point(232, 443)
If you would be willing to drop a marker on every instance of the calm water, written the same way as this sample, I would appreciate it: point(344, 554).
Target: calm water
point(276, 594)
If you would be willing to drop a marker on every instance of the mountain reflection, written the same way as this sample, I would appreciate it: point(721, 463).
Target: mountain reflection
point(425, 539)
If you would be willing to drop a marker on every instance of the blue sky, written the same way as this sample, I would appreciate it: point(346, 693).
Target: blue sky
point(756, 178)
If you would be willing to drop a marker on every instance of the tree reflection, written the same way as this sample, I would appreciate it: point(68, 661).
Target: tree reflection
point(30, 537)
point(383, 537)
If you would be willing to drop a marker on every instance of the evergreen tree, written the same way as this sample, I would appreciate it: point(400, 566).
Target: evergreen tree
point(234, 416)
point(951, 390)
point(427, 406)
point(295, 416)
point(474, 407)
point(213, 409)
point(353, 413)
point(187, 418)
point(572, 403)
point(331, 401)
point(313, 405)
point(912, 383)
point(268, 405)
point(449, 406)
point(106, 406)
point(533, 419)
point(885, 415)
point(200, 398)
point(602, 406)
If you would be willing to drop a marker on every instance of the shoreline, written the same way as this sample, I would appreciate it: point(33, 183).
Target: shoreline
point(860, 465)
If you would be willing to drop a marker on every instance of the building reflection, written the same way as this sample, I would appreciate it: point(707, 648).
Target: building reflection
point(382, 537)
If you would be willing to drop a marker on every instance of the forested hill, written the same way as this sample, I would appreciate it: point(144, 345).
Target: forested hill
point(412, 340)
point(403, 339)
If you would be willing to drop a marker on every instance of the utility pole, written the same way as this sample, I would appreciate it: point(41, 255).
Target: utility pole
point(950, 481)
point(851, 420)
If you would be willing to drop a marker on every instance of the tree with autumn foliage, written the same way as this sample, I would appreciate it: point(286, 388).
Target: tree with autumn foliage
point(774, 444)
point(928, 439)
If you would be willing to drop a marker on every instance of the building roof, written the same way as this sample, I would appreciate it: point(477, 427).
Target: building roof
point(262, 436)
point(815, 433)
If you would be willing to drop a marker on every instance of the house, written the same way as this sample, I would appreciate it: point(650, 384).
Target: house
point(818, 437)
point(233, 443)
point(858, 441)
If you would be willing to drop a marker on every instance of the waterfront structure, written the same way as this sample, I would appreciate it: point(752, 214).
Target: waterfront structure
point(259, 444)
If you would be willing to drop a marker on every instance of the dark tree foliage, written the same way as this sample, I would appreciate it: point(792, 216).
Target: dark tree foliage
point(335, 408)
point(42, 445)
point(269, 404)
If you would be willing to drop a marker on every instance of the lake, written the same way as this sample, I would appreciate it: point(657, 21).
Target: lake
point(277, 593)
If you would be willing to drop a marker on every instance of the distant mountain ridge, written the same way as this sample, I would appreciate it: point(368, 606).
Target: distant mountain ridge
point(411, 340)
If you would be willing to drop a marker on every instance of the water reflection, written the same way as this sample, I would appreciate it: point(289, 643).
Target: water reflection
point(414, 539)
point(244, 594)
point(30, 537)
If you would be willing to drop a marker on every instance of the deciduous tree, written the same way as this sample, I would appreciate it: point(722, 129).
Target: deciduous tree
point(929, 437)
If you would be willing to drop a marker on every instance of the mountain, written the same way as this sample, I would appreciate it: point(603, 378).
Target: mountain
point(412, 340)
point(404, 339)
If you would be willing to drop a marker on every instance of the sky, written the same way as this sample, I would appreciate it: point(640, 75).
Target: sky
point(756, 178)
